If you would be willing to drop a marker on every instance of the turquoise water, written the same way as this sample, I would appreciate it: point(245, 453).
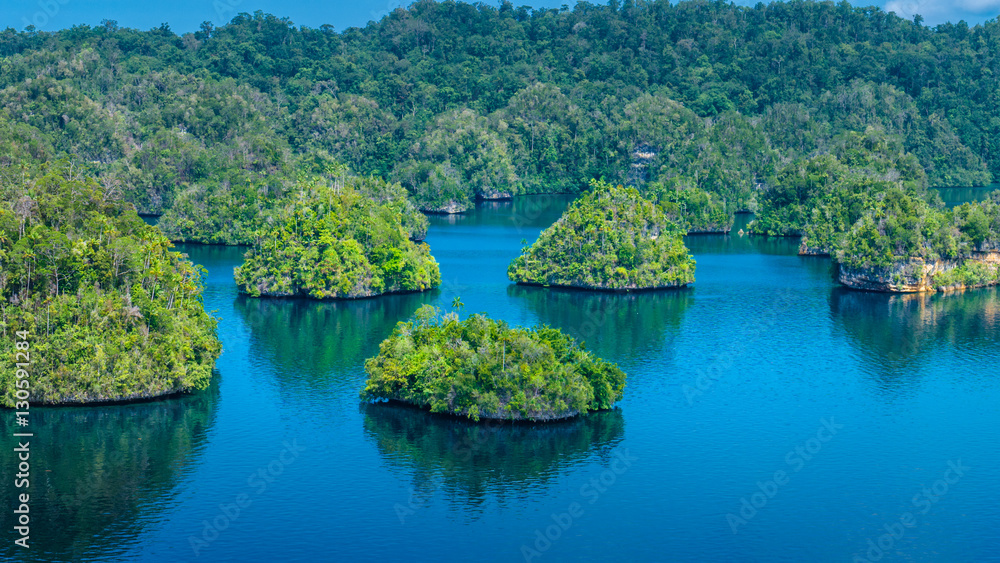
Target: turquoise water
point(956, 196)
point(763, 366)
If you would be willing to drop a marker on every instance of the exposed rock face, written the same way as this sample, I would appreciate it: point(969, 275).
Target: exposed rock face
point(910, 277)
point(916, 275)
point(451, 207)
point(629, 288)
point(638, 172)
point(806, 250)
point(712, 230)
point(495, 195)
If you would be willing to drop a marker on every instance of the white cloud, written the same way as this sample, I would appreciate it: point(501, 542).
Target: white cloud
point(979, 6)
point(938, 11)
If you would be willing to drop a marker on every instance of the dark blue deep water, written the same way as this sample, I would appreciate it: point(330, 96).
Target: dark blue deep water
point(769, 416)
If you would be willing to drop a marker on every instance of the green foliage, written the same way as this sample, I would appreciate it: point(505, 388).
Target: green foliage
point(124, 459)
point(824, 195)
point(902, 230)
point(610, 238)
point(336, 242)
point(458, 161)
point(481, 368)
point(111, 312)
point(694, 210)
point(232, 213)
point(460, 101)
point(968, 274)
point(898, 228)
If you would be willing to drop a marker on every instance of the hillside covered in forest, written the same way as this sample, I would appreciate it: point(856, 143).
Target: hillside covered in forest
point(458, 102)
point(94, 304)
point(609, 239)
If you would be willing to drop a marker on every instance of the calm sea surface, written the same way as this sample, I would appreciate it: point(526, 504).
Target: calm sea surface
point(769, 416)
point(956, 196)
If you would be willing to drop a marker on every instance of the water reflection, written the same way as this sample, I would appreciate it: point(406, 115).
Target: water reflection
point(897, 332)
point(470, 463)
point(101, 475)
point(316, 338)
point(521, 211)
point(734, 243)
point(958, 196)
point(613, 325)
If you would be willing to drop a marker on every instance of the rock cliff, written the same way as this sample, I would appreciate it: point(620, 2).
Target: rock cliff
point(918, 275)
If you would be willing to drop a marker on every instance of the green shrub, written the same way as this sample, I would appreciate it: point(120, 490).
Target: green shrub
point(481, 368)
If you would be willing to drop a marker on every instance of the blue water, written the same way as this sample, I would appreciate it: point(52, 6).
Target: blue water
point(726, 380)
point(956, 196)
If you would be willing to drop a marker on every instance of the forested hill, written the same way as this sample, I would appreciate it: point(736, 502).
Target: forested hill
point(458, 101)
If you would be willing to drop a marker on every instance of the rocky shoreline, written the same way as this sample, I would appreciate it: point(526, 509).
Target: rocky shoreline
point(627, 289)
point(919, 276)
point(806, 250)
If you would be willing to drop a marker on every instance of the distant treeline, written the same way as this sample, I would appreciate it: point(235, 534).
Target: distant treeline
point(457, 101)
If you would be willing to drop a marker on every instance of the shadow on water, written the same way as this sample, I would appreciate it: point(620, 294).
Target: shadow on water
point(613, 325)
point(521, 211)
point(312, 339)
point(735, 243)
point(958, 196)
point(469, 462)
point(897, 333)
point(101, 474)
point(218, 259)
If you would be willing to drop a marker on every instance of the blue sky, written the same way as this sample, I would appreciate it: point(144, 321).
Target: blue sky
point(187, 15)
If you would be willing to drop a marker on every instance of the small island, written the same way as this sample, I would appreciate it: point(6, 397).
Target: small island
point(867, 206)
point(609, 239)
point(336, 243)
point(95, 305)
point(906, 245)
point(483, 369)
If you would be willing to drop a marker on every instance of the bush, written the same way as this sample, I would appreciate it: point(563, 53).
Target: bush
point(481, 368)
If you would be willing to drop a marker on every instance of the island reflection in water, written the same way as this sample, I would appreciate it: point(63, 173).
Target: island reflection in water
point(316, 339)
point(470, 463)
point(612, 325)
point(897, 332)
point(105, 474)
point(523, 211)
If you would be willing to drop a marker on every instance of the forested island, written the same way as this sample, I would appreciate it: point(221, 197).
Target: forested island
point(610, 239)
point(321, 150)
point(903, 244)
point(480, 368)
point(337, 241)
point(866, 204)
point(108, 311)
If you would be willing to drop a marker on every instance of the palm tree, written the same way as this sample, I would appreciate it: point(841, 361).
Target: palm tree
point(457, 304)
